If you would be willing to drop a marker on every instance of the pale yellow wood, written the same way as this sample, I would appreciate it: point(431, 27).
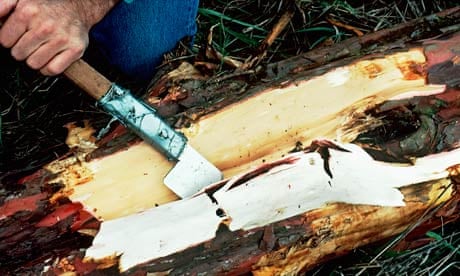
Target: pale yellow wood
point(245, 134)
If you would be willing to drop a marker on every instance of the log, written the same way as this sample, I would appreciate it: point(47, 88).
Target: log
point(316, 164)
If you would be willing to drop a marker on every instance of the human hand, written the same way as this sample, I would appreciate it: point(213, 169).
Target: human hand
point(49, 35)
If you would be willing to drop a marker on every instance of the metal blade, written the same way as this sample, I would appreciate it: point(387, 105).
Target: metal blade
point(191, 173)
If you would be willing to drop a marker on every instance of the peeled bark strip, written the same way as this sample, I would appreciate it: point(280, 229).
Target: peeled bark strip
point(258, 213)
point(382, 137)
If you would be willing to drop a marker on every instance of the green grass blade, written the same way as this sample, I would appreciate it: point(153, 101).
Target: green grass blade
point(316, 29)
point(440, 239)
point(212, 13)
point(243, 38)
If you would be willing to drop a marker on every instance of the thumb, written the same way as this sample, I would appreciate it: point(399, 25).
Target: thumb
point(6, 7)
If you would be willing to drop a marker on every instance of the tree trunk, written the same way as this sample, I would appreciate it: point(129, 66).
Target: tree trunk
point(317, 162)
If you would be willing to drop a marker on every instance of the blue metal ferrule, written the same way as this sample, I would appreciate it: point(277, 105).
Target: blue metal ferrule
point(144, 121)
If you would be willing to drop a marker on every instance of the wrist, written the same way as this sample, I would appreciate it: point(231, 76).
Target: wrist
point(93, 11)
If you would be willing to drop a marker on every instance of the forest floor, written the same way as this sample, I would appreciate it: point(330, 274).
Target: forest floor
point(34, 108)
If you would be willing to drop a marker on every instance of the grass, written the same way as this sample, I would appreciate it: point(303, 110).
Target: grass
point(439, 256)
point(239, 25)
point(34, 108)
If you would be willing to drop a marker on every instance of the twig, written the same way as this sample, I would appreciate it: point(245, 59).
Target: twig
point(271, 37)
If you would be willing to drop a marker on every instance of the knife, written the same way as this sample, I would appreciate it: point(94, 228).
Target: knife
point(191, 171)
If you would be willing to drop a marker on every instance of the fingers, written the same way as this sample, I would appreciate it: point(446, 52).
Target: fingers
point(36, 37)
point(52, 56)
point(11, 32)
point(43, 55)
point(60, 62)
point(47, 35)
point(16, 25)
point(28, 44)
point(6, 6)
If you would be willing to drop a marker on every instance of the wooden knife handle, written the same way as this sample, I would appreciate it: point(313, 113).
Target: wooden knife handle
point(88, 79)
